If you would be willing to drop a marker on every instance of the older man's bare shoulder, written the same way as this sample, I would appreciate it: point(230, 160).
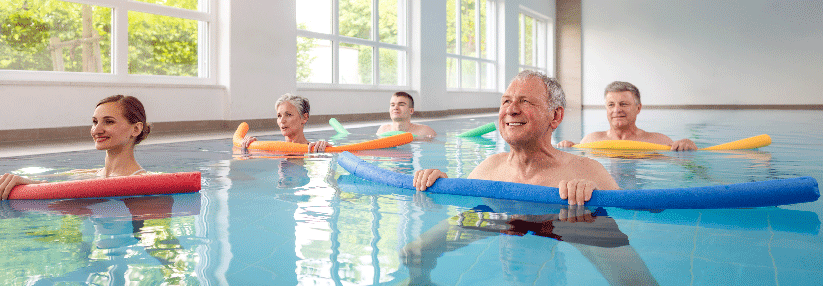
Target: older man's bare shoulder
point(490, 166)
point(595, 136)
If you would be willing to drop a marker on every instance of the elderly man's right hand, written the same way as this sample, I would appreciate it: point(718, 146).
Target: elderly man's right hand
point(425, 178)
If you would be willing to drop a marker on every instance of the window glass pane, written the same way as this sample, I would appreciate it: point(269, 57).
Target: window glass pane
point(487, 72)
point(468, 36)
point(451, 27)
point(356, 18)
point(391, 62)
point(45, 35)
point(185, 4)
point(389, 21)
point(452, 66)
point(469, 69)
point(356, 64)
point(162, 45)
point(314, 60)
point(528, 41)
point(314, 15)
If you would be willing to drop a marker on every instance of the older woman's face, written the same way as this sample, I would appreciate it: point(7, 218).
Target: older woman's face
point(290, 120)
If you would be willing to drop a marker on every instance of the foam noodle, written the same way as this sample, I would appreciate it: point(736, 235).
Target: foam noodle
point(138, 185)
point(747, 143)
point(391, 133)
point(755, 194)
point(489, 127)
point(388, 142)
point(337, 126)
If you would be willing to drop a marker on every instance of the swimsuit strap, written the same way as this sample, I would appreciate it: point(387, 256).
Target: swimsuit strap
point(138, 171)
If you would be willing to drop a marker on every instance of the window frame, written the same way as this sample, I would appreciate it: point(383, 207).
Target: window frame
point(542, 32)
point(492, 5)
point(404, 45)
point(206, 15)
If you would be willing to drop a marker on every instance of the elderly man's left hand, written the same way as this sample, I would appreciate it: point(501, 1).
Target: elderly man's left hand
point(684, 145)
point(577, 191)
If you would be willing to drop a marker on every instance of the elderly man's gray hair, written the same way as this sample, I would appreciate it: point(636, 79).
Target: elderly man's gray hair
point(301, 103)
point(554, 93)
point(621, 86)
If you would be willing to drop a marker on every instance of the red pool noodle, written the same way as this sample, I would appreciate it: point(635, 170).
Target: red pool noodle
point(138, 185)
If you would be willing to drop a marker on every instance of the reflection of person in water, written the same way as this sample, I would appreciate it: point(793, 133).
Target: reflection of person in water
point(121, 233)
point(529, 240)
point(292, 173)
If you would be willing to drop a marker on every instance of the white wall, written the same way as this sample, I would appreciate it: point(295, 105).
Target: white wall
point(256, 42)
point(704, 52)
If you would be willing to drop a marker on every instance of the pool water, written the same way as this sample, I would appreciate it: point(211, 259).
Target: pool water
point(272, 219)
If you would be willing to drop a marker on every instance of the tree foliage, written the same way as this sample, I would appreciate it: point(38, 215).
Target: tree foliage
point(355, 21)
point(158, 45)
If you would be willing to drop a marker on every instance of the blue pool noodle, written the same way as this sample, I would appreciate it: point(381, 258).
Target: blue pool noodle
point(754, 194)
point(750, 219)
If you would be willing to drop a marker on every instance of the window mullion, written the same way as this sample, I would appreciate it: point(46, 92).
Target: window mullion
point(335, 44)
point(477, 42)
point(120, 43)
point(376, 39)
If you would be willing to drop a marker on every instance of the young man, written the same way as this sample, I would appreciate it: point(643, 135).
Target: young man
point(401, 108)
point(622, 107)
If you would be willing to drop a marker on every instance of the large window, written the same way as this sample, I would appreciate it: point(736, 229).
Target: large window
point(534, 48)
point(352, 42)
point(106, 39)
point(470, 45)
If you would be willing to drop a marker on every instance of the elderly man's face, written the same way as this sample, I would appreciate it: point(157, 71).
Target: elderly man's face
point(621, 109)
point(524, 112)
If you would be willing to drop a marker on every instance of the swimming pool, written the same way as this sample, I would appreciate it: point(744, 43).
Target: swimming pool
point(304, 221)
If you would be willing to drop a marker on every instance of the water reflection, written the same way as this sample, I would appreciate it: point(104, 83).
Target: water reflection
point(120, 241)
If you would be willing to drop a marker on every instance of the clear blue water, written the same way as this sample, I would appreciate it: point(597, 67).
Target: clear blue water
point(269, 220)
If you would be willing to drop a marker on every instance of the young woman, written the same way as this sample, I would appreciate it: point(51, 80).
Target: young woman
point(292, 115)
point(118, 123)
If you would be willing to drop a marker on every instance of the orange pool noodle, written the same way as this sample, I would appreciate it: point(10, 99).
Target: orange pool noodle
point(387, 142)
point(138, 185)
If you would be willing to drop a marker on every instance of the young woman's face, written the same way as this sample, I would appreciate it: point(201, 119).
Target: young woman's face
point(110, 129)
point(290, 120)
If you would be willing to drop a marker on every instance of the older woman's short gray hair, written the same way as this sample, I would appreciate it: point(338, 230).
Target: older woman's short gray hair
point(301, 103)
point(554, 93)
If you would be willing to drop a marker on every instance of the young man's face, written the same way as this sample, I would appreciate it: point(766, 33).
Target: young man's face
point(400, 108)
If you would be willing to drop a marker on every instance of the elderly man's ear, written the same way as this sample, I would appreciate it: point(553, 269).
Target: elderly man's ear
point(557, 117)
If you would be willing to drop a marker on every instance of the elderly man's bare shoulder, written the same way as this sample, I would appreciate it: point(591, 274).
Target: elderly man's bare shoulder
point(586, 168)
point(595, 136)
point(489, 167)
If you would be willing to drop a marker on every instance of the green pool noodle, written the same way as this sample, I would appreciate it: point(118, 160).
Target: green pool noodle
point(337, 126)
point(392, 133)
point(479, 130)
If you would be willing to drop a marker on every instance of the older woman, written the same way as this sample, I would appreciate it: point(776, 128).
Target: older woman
point(118, 124)
point(292, 115)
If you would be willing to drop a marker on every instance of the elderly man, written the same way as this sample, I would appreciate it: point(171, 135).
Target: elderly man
point(530, 110)
point(401, 108)
point(622, 107)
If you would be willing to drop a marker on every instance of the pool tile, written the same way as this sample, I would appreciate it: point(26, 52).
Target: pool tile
point(800, 277)
point(734, 249)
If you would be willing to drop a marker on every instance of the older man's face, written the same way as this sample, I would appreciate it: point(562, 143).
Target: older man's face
point(524, 112)
point(621, 109)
